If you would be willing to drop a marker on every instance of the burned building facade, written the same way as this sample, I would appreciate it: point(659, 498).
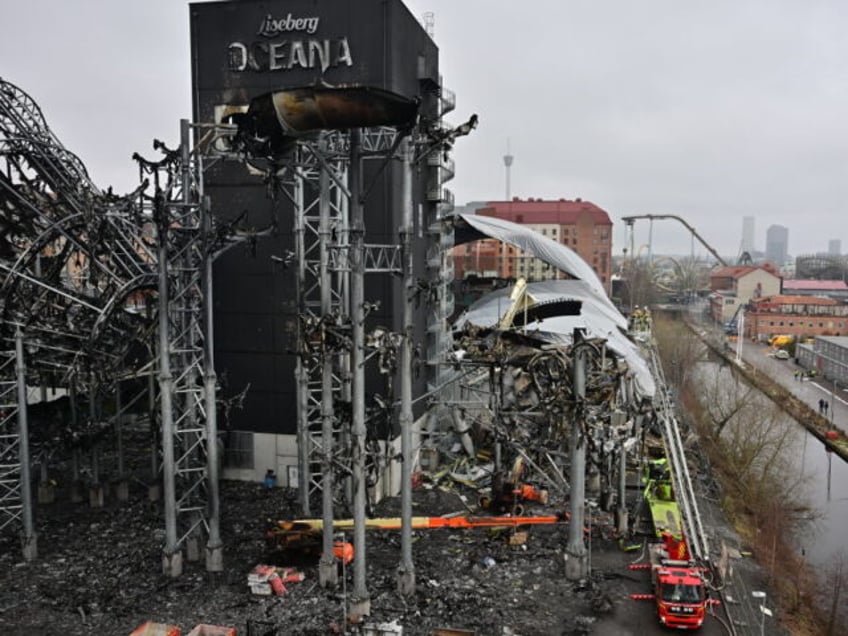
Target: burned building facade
point(246, 49)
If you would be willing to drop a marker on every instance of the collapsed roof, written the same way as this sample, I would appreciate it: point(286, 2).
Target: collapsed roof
point(598, 316)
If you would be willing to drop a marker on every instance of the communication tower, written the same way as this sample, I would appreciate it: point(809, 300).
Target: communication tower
point(508, 165)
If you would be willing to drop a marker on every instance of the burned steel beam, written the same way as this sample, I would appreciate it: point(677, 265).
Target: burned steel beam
point(406, 568)
point(29, 536)
point(275, 121)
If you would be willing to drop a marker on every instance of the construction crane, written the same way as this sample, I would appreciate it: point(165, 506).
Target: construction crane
point(629, 220)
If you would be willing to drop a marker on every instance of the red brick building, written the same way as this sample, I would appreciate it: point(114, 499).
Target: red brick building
point(580, 225)
point(795, 316)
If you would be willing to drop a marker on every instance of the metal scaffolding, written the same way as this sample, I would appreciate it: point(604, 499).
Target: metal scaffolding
point(92, 280)
point(316, 184)
point(187, 241)
point(11, 503)
point(82, 274)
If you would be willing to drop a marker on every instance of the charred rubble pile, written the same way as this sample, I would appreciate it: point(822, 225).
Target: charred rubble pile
point(517, 412)
point(505, 456)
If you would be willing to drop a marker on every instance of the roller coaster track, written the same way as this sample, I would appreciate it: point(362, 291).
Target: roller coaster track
point(628, 220)
point(70, 255)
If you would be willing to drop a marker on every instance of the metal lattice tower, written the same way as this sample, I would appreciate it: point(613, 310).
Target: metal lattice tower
point(11, 503)
point(320, 192)
point(316, 184)
point(77, 264)
point(187, 243)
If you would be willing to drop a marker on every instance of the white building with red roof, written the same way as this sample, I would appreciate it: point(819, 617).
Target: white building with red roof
point(734, 287)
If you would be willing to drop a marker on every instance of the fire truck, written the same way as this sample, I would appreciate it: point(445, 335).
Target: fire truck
point(677, 581)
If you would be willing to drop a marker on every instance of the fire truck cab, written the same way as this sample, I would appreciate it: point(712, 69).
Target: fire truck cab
point(678, 590)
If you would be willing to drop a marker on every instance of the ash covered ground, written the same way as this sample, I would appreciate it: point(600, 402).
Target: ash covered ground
point(99, 572)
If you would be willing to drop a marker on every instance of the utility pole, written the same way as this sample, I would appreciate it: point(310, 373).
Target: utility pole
point(508, 165)
point(832, 399)
point(740, 336)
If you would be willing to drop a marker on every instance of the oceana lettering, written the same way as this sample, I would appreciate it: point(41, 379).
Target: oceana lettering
point(271, 27)
point(285, 55)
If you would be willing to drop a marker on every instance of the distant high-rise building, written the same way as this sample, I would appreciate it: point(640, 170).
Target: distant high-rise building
point(747, 235)
point(777, 244)
point(834, 247)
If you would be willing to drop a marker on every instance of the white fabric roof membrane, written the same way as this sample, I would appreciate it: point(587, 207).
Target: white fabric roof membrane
point(547, 250)
point(598, 316)
point(594, 318)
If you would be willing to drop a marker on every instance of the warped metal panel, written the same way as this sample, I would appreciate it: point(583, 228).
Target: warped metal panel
point(594, 317)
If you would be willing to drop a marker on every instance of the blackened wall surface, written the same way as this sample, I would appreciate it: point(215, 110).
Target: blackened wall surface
point(247, 48)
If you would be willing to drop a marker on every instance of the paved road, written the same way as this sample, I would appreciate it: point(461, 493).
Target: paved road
point(810, 391)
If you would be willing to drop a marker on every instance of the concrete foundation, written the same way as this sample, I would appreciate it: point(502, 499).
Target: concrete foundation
point(46, 493)
point(172, 564)
point(96, 496)
point(576, 566)
point(76, 492)
point(214, 558)
point(122, 490)
point(29, 546)
point(359, 608)
point(405, 581)
point(328, 573)
point(621, 520)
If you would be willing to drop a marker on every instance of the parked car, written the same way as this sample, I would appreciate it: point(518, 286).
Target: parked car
point(782, 354)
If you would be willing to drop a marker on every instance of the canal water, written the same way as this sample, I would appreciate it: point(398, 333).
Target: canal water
point(820, 477)
point(827, 494)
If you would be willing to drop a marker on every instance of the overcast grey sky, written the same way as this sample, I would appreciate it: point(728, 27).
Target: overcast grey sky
point(710, 110)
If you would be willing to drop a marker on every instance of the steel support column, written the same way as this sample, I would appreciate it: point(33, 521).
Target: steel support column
point(328, 570)
point(317, 187)
point(360, 603)
point(406, 569)
point(214, 545)
point(301, 373)
point(576, 555)
point(172, 559)
point(29, 538)
point(621, 513)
